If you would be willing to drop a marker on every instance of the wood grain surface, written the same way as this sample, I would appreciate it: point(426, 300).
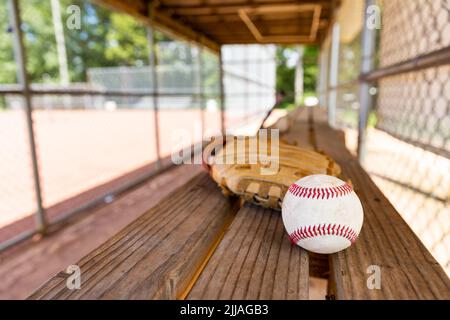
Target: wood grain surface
point(255, 260)
point(157, 255)
point(408, 271)
point(194, 245)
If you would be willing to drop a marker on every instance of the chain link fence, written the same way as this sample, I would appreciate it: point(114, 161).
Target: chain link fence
point(413, 113)
point(112, 125)
point(407, 147)
point(250, 74)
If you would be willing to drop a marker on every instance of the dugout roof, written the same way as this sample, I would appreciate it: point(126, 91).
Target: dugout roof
point(216, 22)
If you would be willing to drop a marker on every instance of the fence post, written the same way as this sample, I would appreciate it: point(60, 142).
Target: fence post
point(201, 89)
point(322, 86)
point(153, 61)
point(365, 100)
point(333, 80)
point(299, 77)
point(22, 77)
point(222, 93)
point(246, 94)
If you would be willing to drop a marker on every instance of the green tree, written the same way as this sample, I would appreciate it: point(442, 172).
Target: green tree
point(86, 47)
point(285, 82)
point(106, 38)
point(40, 43)
point(127, 42)
point(310, 70)
point(285, 74)
point(7, 65)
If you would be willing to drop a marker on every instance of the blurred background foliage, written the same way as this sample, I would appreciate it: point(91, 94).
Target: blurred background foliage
point(109, 39)
point(286, 60)
point(105, 39)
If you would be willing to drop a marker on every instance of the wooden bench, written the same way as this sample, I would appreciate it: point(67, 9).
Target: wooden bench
point(408, 271)
point(256, 260)
point(156, 256)
point(194, 245)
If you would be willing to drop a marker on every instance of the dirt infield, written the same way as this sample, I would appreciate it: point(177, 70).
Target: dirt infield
point(80, 150)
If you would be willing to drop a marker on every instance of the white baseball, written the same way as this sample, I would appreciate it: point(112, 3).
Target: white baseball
point(322, 214)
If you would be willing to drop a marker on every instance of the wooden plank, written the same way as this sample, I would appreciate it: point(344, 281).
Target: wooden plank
point(408, 271)
point(184, 31)
point(255, 260)
point(327, 139)
point(299, 136)
point(299, 132)
point(251, 40)
point(216, 20)
point(221, 7)
point(26, 267)
point(157, 255)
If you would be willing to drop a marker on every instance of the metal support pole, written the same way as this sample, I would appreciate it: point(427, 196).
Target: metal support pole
point(201, 89)
point(222, 93)
point(22, 77)
point(424, 61)
point(298, 81)
point(365, 100)
point(60, 43)
point(333, 80)
point(246, 98)
point(153, 61)
point(322, 84)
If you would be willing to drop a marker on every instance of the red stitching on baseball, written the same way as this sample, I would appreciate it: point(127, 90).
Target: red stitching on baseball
point(320, 193)
point(322, 230)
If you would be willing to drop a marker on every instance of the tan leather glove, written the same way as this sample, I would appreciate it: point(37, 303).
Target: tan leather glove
point(262, 174)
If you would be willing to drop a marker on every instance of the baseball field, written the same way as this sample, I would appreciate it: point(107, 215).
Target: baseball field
point(79, 150)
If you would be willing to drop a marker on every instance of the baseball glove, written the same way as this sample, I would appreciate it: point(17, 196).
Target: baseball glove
point(258, 174)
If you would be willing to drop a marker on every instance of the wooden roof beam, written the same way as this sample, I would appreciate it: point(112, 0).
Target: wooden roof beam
point(316, 10)
point(236, 18)
point(139, 9)
point(182, 30)
point(192, 28)
point(181, 7)
point(216, 25)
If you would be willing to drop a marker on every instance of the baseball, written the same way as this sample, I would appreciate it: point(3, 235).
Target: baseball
point(322, 214)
